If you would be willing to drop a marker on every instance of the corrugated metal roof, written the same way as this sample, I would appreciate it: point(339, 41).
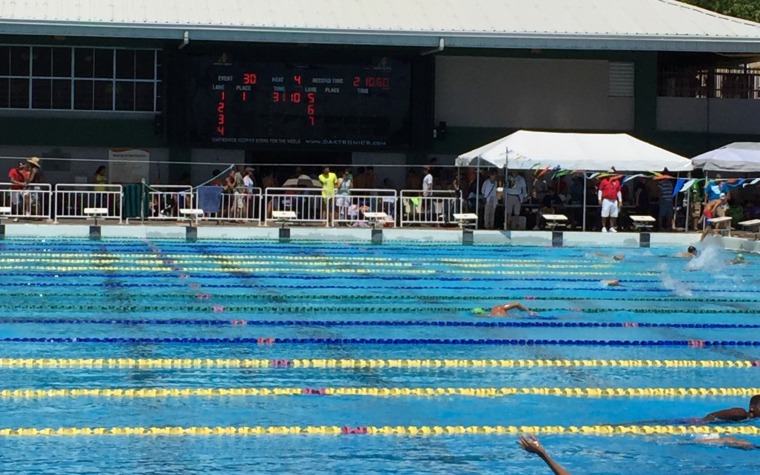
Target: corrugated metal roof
point(663, 25)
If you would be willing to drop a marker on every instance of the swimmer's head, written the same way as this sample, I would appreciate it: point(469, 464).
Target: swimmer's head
point(754, 406)
point(740, 257)
point(478, 311)
point(692, 250)
point(618, 257)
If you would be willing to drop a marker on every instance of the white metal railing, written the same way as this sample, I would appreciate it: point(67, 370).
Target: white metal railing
point(307, 203)
point(429, 208)
point(71, 199)
point(30, 202)
point(243, 206)
point(349, 209)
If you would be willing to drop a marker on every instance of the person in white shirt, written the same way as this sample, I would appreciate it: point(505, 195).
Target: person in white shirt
point(427, 192)
point(489, 193)
point(517, 191)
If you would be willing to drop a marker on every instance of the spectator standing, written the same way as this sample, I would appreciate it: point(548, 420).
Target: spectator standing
point(489, 194)
point(329, 182)
point(517, 191)
point(665, 216)
point(18, 177)
point(610, 198)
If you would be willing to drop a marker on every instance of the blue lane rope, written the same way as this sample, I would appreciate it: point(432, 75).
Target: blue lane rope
point(386, 341)
point(320, 308)
point(379, 323)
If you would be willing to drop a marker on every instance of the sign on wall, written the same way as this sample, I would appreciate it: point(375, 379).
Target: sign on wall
point(128, 165)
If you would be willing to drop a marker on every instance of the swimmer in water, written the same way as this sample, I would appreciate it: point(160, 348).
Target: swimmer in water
point(737, 414)
point(503, 310)
point(690, 253)
point(739, 259)
point(615, 257)
point(612, 283)
point(726, 441)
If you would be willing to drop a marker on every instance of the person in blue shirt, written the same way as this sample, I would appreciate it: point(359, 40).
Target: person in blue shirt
point(713, 190)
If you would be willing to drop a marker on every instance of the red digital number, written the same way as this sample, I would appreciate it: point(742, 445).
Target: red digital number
point(275, 96)
point(245, 96)
point(297, 79)
point(357, 81)
point(310, 97)
point(310, 109)
point(311, 120)
point(295, 97)
point(220, 130)
point(249, 78)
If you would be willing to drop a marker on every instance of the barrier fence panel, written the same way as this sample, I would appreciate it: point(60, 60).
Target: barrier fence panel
point(243, 206)
point(165, 201)
point(71, 199)
point(307, 203)
point(30, 202)
point(431, 208)
point(349, 209)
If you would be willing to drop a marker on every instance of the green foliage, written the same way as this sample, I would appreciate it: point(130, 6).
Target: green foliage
point(747, 9)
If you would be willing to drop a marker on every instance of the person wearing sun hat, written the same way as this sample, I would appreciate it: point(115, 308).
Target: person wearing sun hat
point(34, 170)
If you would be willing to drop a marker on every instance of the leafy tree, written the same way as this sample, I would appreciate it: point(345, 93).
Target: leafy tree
point(747, 9)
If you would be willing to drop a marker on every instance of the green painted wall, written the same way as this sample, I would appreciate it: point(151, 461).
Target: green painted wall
point(79, 132)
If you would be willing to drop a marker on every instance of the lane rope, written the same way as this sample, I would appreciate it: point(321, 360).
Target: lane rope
point(321, 308)
point(94, 363)
point(484, 392)
point(408, 430)
point(383, 341)
point(372, 323)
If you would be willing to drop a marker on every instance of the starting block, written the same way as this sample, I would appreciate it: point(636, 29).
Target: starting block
point(283, 218)
point(374, 218)
point(721, 220)
point(4, 212)
point(468, 222)
point(191, 213)
point(747, 224)
point(95, 212)
point(642, 222)
point(554, 220)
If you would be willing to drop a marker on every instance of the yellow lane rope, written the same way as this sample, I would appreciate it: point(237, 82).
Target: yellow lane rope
point(377, 392)
point(361, 363)
point(383, 430)
point(320, 270)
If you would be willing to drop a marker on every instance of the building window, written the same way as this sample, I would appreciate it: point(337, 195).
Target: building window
point(83, 79)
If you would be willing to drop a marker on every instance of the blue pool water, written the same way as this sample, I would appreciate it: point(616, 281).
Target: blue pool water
point(169, 315)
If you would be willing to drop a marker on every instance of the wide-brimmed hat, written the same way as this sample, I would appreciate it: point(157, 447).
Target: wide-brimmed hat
point(34, 161)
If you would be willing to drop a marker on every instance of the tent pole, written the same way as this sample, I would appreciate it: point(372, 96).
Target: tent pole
point(477, 190)
point(688, 206)
point(504, 187)
point(585, 194)
point(707, 182)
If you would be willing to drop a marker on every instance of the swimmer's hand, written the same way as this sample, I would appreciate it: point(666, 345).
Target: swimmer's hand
point(529, 443)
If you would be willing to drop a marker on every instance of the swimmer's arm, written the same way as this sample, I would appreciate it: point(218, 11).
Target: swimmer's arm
point(530, 444)
point(730, 442)
point(734, 414)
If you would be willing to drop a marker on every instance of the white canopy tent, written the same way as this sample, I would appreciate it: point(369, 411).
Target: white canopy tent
point(737, 157)
point(526, 150)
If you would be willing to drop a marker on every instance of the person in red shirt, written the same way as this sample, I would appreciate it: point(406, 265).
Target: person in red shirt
point(18, 177)
point(611, 200)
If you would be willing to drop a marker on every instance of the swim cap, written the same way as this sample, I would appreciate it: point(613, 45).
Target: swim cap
point(691, 249)
point(740, 256)
point(478, 311)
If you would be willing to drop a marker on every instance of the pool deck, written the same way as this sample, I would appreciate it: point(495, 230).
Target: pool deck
point(173, 230)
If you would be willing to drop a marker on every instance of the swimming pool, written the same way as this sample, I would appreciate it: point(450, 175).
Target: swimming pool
point(144, 356)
